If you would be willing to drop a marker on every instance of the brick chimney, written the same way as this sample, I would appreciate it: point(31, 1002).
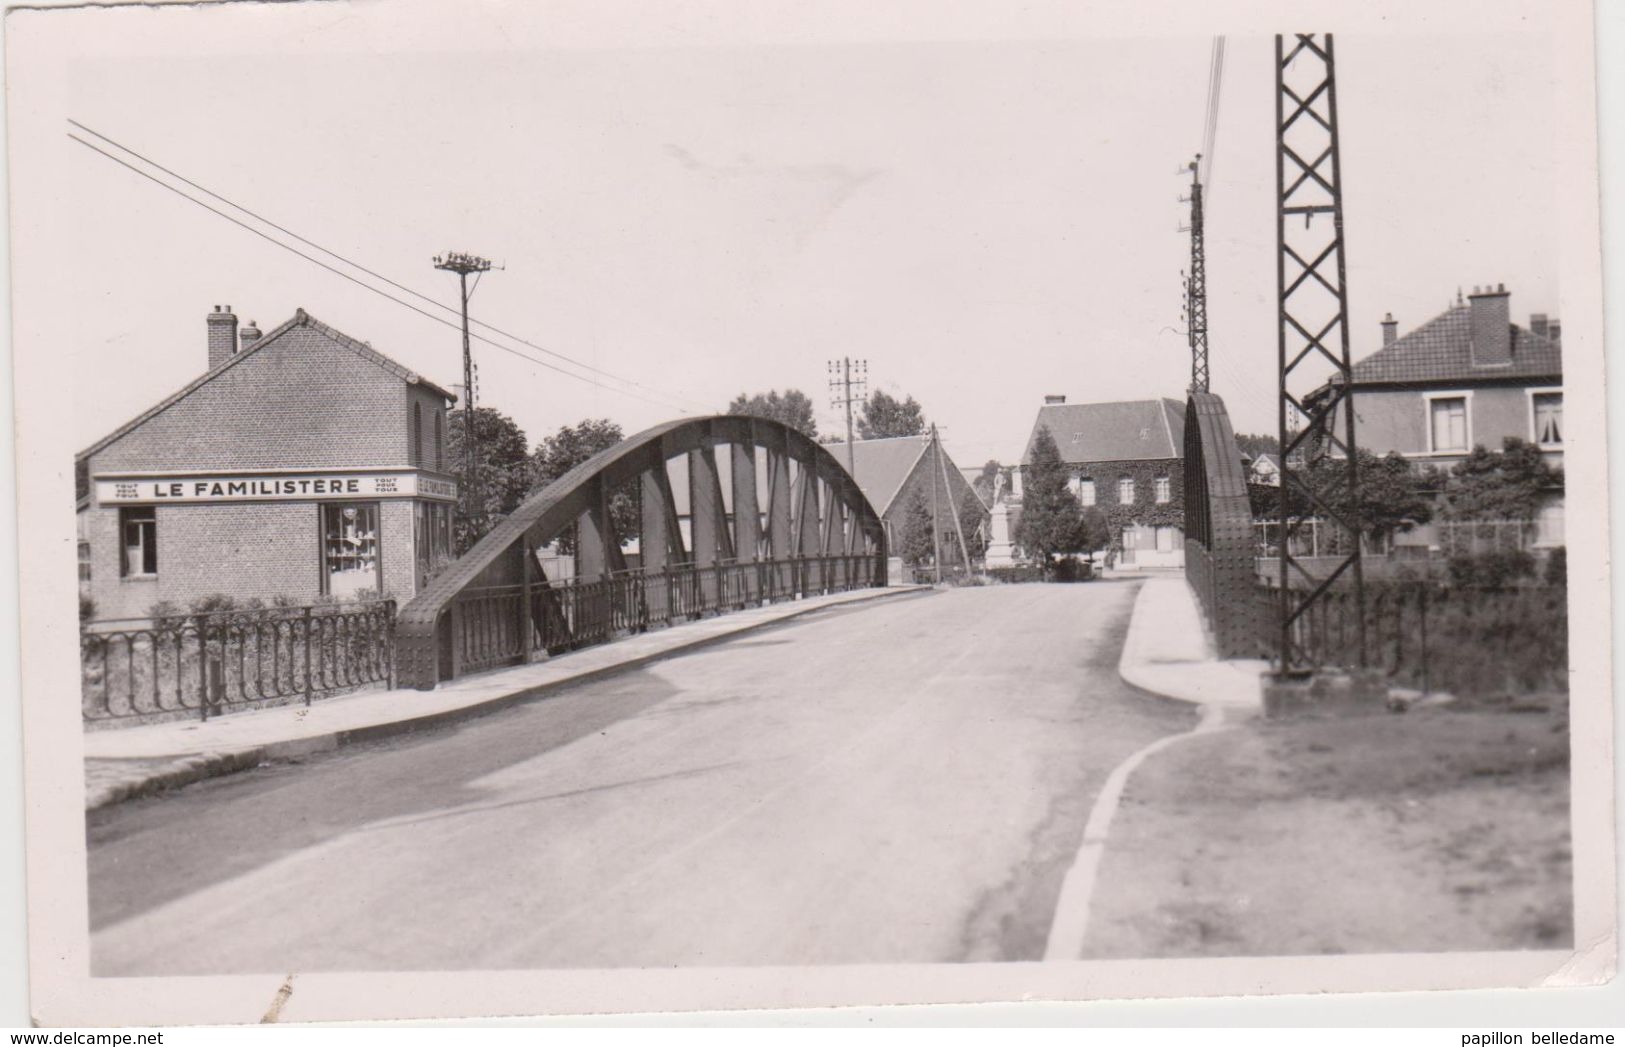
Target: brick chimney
point(1554, 330)
point(1537, 323)
point(247, 336)
point(1054, 398)
point(1490, 323)
point(1390, 329)
point(222, 336)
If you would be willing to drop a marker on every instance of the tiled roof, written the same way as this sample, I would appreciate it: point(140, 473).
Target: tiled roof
point(1441, 350)
point(881, 466)
point(300, 318)
point(1121, 431)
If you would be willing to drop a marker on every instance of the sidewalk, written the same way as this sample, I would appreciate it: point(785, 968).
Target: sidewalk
point(1168, 651)
point(124, 762)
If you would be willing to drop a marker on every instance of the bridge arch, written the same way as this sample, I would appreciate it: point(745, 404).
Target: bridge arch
point(1219, 540)
point(790, 521)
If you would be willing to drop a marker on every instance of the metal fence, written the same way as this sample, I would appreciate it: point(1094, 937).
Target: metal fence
point(209, 663)
point(492, 626)
point(1436, 637)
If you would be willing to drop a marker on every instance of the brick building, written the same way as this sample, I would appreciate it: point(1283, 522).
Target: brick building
point(1125, 458)
point(1467, 378)
point(302, 464)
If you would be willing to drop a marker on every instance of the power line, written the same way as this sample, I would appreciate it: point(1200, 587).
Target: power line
point(1210, 124)
point(667, 399)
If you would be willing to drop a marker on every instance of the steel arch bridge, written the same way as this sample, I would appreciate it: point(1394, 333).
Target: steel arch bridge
point(787, 521)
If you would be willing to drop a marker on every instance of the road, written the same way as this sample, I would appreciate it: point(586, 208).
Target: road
point(903, 781)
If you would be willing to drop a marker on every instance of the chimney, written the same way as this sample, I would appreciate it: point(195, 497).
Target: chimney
point(1490, 326)
point(1390, 329)
point(1537, 323)
point(1053, 398)
point(1554, 330)
point(222, 336)
point(247, 336)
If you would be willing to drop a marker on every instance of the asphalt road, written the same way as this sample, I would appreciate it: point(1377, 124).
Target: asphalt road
point(905, 781)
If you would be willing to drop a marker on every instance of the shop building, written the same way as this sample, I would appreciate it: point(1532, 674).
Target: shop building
point(302, 464)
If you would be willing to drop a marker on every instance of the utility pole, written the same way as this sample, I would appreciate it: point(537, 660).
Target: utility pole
point(936, 530)
point(1313, 295)
point(959, 528)
point(1196, 285)
point(462, 265)
point(851, 391)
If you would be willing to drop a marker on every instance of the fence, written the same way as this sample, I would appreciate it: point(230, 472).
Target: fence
point(492, 626)
point(1431, 636)
point(207, 663)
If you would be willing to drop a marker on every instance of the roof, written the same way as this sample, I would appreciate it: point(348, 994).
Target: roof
point(1441, 351)
point(881, 466)
point(300, 318)
point(1117, 431)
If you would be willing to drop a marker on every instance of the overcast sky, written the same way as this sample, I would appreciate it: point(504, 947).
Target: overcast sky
point(985, 221)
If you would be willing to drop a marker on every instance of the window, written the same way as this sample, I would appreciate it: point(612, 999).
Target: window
point(139, 527)
point(1125, 490)
point(1164, 490)
point(1447, 416)
point(350, 549)
point(1548, 411)
point(416, 457)
point(1086, 491)
point(1165, 539)
point(432, 537)
point(84, 561)
point(440, 441)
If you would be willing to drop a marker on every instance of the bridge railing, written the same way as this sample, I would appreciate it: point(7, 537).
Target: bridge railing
point(495, 626)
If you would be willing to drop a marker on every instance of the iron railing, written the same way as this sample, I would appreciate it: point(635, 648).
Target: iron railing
point(1433, 636)
point(208, 663)
point(492, 627)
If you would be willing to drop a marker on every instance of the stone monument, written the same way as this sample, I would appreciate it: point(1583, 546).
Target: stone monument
point(1000, 551)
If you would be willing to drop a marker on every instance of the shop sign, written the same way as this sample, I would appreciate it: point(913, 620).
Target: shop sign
point(195, 488)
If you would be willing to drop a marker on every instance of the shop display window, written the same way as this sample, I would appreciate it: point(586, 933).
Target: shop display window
point(350, 549)
point(433, 537)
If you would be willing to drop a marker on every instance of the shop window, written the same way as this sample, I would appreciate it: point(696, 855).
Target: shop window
point(1164, 490)
point(1125, 490)
point(139, 528)
point(1447, 423)
point(350, 549)
point(1548, 408)
point(432, 537)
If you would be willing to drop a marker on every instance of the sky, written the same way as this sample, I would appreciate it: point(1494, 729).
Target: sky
point(984, 221)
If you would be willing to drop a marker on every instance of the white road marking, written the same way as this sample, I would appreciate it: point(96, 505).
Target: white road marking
point(1071, 921)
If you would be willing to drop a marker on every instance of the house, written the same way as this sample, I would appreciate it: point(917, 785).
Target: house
point(1264, 470)
point(1468, 377)
point(892, 471)
point(1125, 458)
point(302, 464)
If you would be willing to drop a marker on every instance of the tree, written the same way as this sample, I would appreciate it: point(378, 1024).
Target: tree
point(1393, 496)
point(1252, 445)
point(501, 472)
point(793, 409)
point(914, 545)
point(1500, 485)
point(573, 444)
point(1096, 530)
point(885, 416)
point(1051, 521)
point(987, 482)
point(972, 515)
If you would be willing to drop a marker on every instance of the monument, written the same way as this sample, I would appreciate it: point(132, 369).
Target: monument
point(1000, 551)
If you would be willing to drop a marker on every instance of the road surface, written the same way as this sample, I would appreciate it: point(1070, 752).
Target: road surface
point(904, 781)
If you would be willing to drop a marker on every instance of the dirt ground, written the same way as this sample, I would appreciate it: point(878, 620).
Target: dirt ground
point(1442, 829)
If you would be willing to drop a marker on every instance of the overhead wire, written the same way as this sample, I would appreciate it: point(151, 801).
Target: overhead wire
point(661, 398)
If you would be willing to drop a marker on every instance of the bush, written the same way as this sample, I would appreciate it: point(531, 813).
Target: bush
point(1071, 569)
point(1557, 567)
point(214, 603)
point(1492, 570)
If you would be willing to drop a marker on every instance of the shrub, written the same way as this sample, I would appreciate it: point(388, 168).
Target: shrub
point(1492, 570)
point(214, 603)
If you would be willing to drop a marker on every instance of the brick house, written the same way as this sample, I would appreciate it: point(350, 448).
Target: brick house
point(891, 471)
point(1467, 378)
point(302, 464)
point(1127, 459)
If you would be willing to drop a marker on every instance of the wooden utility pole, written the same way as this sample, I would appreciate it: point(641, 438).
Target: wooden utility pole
point(851, 391)
point(462, 265)
point(959, 528)
point(936, 530)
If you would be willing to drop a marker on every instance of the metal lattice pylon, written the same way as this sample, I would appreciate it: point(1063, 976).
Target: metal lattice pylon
point(1319, 468)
